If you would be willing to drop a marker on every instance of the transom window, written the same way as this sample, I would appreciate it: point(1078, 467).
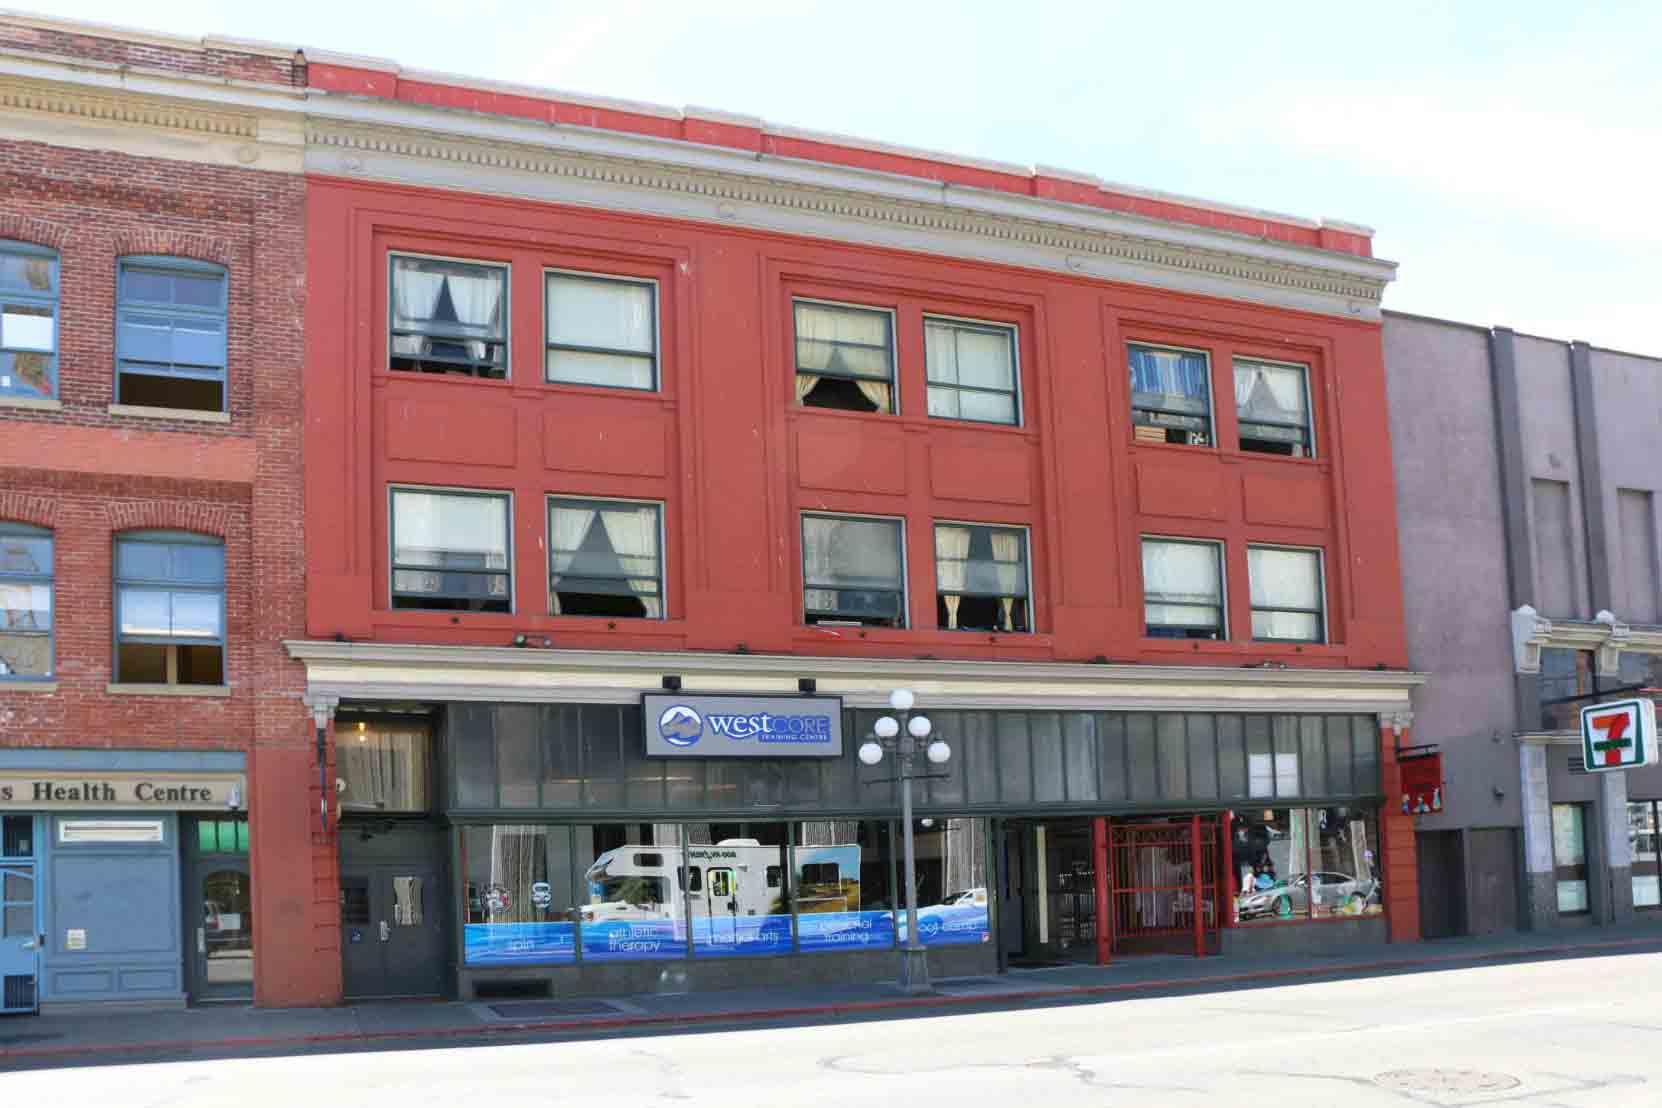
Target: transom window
point(844, 357)
point(28, 321)
point(981, 578)
point(449, 317)
point(972, 371)
point(852, 571)
point(25, 601)
point(1183, 589)
point(1286, 594)
point(170, 334)
point(450, 550)
point(1171, 395)
point(1272, 403)
point(170, 604)
point(604, 559)
point(602, 331)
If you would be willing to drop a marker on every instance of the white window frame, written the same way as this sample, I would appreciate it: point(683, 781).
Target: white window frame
point(1015, 367)
point(657, 354)
point(507, 307)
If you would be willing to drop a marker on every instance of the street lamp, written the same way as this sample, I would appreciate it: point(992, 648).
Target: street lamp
point(905, 737)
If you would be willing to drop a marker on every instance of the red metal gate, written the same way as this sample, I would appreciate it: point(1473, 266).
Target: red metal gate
point(1155, 883)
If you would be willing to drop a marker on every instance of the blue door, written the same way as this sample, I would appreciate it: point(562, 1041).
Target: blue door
point(19, 915)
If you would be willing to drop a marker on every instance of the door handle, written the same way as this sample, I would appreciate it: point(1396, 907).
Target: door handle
point(201, 940)
point(29, 944)
point(386, 932)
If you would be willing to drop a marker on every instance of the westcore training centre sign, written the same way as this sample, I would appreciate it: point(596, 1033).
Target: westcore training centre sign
point(679, 726)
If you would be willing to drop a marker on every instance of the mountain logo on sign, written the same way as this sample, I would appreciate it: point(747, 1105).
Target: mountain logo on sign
point(680, 725)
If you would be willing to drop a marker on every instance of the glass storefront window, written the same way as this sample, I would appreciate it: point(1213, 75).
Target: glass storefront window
point(1344, 878)
point(634, 886)
point(1271, 850)
point(743, 902)
point(952, 882)
point(844, 890)
point(1642, 839)
point(517, 892)
point(381, 765)
point(1569, 857)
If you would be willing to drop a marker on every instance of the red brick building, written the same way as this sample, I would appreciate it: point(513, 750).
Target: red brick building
point(151, 251)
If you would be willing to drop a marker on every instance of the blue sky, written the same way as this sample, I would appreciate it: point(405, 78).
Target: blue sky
point(1507, 152)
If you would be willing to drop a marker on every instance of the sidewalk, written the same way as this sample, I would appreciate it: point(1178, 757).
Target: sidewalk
point(217, 1031)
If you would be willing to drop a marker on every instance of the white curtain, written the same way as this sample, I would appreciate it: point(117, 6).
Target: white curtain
point(1182, 585)
point(1269, 392)
point(433, 529)
point(1284, 578)
point(951, 549)
point(611, 315)
point(846, 342)
point(476, 297)
point(1007, 562)
point(383, 767)
point(568, 527)
point(633, 533)
point(805, 383)
point(415, 296)
point(850, 553)
point(875, 391)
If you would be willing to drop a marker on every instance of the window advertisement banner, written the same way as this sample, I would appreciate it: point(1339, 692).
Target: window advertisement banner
point(518, 896)
point(737, 901)
point(833, 912)
point(952, 883)
point(632, 893)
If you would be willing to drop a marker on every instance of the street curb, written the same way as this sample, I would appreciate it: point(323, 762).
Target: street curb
point(761, 1015)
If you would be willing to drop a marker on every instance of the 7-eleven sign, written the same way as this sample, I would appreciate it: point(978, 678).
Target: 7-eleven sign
point(1619, 734)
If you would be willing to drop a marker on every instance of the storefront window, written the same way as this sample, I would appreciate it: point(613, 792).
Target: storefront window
point(517, 891)
point(742, 903)
point(1642, 836)
point(1344, 878)
point(1270, 858)
point(634, 884)
point(952, 887)
point(843, 886)
point(1569, 857)
point(381, 765)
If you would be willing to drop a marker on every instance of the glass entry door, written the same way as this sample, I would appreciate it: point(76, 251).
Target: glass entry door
point(219, 910)
point(19, 915)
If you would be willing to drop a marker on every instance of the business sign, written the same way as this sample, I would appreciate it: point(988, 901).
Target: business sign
point(1422, 784)
point(680, 726)
point(168, 792)
point(1619, 735)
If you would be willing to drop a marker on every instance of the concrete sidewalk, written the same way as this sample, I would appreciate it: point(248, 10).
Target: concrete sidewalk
point(219, 1030)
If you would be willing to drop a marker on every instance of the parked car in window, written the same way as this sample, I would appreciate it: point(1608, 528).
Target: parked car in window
point(1336, 892)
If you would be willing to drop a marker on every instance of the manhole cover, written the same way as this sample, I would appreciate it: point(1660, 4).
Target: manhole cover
point(542, 1009)
point(1446, 1081)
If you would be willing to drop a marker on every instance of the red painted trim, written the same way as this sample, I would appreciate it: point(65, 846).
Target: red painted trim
point(1099, 866)
point(1198, 881)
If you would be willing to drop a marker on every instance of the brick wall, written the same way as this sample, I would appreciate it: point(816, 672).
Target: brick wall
point(88, 474)
point(204, 60)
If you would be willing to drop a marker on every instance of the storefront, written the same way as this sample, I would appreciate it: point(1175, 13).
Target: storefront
point(125, 878)
point(515, 840)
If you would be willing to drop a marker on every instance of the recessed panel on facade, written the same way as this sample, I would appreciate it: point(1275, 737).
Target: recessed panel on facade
point(679, 726)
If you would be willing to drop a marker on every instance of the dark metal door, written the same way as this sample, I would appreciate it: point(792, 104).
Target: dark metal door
point(1012, 915)
point(392, 931)
point(1442, 888)
point(1494, 880)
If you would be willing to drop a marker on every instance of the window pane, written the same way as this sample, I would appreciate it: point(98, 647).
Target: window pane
point(1046, 732)
point(141, 663)
point(453, 531)
point(737, 910)
point(146, 612)
point(1345, 881)
point(1170, 379)
point(963, 355)
point(198, 342)
point(198, 290)
point(603, 755)
point(843, 895)
point(146, 338)
point(27, 555)
point(1569, 856)
point(30, 273)
point(632, 901)
point(383, 765)
point(614, 315)
point(25, 607)
point(851, 553)
point(1270, 394)
point(143, 561)
point(146, 284)
point(1015, 765)
point(1270, 863)
point(196, 615)
point(430, 294)
point(517, 885)
point(1079, 734)
point(1286, 625)
point(1642, 839)
point(952, 883)
point(517, 769)
point(562, 778)
point(1284, 578)
point(986, 407)
point(27, 327)
point(199, 563)
point(471, 747)
point(582, 367)
point(842, 341)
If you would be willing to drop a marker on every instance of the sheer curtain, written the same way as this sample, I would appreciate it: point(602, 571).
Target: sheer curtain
point(1180, 584)
point(415, 296)
point(845, 342)
point(633, 533)
point(852, 554)
point(476, 298)
point(568, 527)
point(951, 549)
point(805, 383)
point(877, 392)
point(1266, 392)
point(1007, 561)
point(384, 769)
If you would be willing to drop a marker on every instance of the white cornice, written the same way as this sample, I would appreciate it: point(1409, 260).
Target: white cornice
point(366, 671)
point(1607, 636)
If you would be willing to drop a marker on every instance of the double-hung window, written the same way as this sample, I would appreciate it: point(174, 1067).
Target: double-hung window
point(1171, 395)
point(448, 316)
point(981, 578)
point(604, 558)
point(28, 321)
point(170, 608)
point(972, 371)
point(853, 571)
point(1287, 594)
point(451, 550)
point(1183, 589)
point(1272, 403)
point(602, 331)
point(170, 334)
point(844, 357)
point(25, 602)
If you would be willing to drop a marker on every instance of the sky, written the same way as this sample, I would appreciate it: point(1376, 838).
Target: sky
point(1506, 151)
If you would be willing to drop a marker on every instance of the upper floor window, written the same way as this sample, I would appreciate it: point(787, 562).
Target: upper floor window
point(170, 334)
point(604, 559)
point(1182, 589)
point(1272, 403)
point(844, 357)
point(972, 371)
point(853, 571)
point(1287, 594)
point(602, 331)
point(1171, 395)
point(25, 601)
point(981, 578)
point(170, 608)
point(449, 317)
point(450, 550)
point(28, 321)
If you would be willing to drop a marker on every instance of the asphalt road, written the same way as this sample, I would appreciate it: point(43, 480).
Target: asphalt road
point(1581, 1033)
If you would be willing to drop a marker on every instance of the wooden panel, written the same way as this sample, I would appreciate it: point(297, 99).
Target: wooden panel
point(631, 446)
point(962, 473)
point(431, 431)
point(1176, 488)
point(848, 463)
point(1297, 501)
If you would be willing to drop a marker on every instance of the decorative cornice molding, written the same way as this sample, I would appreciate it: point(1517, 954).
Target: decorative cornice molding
point(1355, 284)
point(125, 109)
point(1605, 635)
